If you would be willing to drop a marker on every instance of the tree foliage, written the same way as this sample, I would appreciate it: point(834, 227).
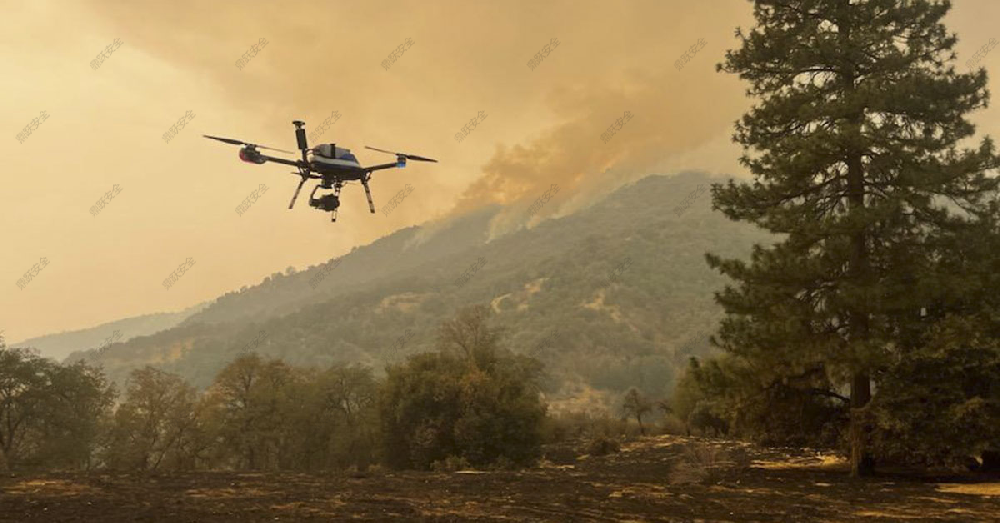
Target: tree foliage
point(472, 403)
point(50, 414)
point(472, 399)
point(636, 405)
point(157, 424)
point(854, 145)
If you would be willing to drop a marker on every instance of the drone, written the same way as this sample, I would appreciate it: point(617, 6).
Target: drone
point(333, 166)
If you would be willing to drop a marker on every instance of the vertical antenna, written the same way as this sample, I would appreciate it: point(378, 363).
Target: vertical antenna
point(300, 137)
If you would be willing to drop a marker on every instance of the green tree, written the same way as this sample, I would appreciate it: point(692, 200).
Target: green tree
point(419, 408)
point(347, 403)
point(709, 396)
point(469, 337)
point(50, 414)
point(687, 393)
point(637, 406)
point(853, 145)
point(249, 404)
point(74, 416)
point(939, 402)
point(158, 425)
point(773, 408)
point(941, 405)
point(472, 400)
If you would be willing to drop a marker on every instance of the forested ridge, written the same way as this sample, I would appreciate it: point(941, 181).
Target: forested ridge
point(62, 344)
point(613, 296)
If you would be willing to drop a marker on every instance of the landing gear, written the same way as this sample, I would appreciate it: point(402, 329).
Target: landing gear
point(368, 192)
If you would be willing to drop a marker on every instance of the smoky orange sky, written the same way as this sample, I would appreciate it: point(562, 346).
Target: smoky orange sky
point(177, 200)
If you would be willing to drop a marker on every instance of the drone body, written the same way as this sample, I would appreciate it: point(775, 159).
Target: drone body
point(331, 165)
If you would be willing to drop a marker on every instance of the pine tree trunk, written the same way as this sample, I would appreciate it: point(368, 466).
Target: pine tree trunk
point(862, 463)
point(859, 266)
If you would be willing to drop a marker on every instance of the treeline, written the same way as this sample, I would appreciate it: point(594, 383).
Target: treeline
point(470, 403)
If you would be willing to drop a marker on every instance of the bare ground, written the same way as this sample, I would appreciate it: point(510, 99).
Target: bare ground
point(634, 485)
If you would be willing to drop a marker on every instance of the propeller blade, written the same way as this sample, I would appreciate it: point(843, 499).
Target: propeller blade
point(404, 155)
point(380, 150)
point(419, 158)
point(234, 141)
point(226, 140)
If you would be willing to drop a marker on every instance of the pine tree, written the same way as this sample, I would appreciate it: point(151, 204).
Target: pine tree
point(855, 147)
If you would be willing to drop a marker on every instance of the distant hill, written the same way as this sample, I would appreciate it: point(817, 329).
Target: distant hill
point(612, 296)
point(60, 345)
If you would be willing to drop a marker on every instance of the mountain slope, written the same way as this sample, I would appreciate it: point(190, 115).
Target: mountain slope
point(612, 296)
point(60, 345)
point(282, 293)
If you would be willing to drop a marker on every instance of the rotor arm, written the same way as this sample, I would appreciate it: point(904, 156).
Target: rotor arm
point(382, 166)
point(285, 161)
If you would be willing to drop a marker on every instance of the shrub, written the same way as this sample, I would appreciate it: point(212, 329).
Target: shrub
point(707, 464)
point(673, 425)
point(450, 464)
point(602, 446)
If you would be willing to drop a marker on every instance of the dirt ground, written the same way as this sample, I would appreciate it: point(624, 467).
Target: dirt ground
point(637, 484)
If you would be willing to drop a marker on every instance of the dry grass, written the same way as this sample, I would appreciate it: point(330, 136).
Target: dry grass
point(978, 489)
point(659, 478)
point(707, 463)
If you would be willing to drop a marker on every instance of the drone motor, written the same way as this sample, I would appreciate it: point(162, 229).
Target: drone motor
point(250, 155)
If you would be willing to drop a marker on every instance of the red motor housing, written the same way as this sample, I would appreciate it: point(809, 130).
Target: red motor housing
point(250, 156)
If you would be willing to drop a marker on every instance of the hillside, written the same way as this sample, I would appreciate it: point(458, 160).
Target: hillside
point(60, 345)
point(612, 296)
